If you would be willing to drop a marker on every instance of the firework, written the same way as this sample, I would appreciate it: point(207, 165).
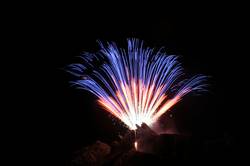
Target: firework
point(136, 85)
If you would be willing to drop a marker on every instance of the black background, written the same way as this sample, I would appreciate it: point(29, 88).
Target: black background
point(60, 119)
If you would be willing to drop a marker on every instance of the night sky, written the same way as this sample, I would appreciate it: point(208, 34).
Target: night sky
point(206, 38)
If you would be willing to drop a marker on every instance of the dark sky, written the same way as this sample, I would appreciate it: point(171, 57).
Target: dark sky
point(206, 37)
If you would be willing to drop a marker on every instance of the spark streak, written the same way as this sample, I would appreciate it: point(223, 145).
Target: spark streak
point(137, 84)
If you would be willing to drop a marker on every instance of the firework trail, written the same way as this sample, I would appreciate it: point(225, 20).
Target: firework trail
point(137, 84)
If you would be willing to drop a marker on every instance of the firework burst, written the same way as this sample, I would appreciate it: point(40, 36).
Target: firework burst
point(136, 85)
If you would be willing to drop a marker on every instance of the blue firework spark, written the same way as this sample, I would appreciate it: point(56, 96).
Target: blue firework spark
point(138, 84)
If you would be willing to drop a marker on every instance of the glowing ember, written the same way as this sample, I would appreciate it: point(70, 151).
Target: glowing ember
point(135, 145)
point(135, 85)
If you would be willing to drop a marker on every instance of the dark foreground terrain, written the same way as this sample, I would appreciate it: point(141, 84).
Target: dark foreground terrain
point(153, 149)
